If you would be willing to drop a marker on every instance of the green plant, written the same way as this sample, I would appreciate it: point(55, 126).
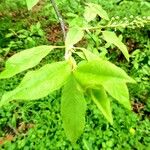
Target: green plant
point(92, 77)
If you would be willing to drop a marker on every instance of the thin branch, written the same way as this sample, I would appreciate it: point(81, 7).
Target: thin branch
point(62, 24)
point(91, 37)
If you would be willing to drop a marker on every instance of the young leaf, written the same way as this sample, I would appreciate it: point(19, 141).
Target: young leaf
point(73, 108)
point(92, 10)
point(74, 35)
point(39, 83)
point(119, 91)
point(112, 38)
point(100, 98)
point(31, 3)
point(96, 72)
point(24, 60)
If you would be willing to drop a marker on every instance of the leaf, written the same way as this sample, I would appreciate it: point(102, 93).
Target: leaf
point(87, 55)
point(96, 72)
point(74, 35)
point(89, 14)
point(92, 10)
point(31, 3)
point(24, 60)
point(80, 54)
point(119, 91)
point(73, 108)
point(100, 98)
point(38, 84)
point(112, 38)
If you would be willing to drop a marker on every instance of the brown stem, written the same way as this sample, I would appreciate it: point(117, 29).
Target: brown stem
point(62, 24)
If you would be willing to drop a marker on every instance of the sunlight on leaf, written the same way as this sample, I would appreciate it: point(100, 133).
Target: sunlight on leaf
point(24, 60)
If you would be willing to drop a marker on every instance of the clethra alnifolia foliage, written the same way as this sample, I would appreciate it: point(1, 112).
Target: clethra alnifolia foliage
point(92, 76)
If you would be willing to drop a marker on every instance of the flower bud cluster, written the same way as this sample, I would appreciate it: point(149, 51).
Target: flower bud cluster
point(131, 22)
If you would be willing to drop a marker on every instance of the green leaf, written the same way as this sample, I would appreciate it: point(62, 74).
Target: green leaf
point(31, 3)
point(38, 84)
point(119, 91)
point(86, 54)
point(92, 10)
point(112, 38)
point(74, 35)
point(89, 14)
point(80, 54)
point(73, 108)
point(24, 60)
point(100, 98)
point(89, 55)
point(96, 72)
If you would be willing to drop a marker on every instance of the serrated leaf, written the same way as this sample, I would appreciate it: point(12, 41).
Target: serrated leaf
point(38, 84)
point(31, 3)
point(92, 10)
point(73, 108)
point(100, 98)
point(119, 91)
point(24, 60)
point(112, 38)
point(74, 35)
point(96, 72)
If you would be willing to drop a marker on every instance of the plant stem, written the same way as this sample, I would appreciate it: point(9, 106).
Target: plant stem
point(59, 46)
point(90, 36)
point(107, 26)
point(62, 24)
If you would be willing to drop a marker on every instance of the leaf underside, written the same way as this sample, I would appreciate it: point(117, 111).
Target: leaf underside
point(73, 107)
point(119, 91)
point(112, 38)
point(100, 98)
